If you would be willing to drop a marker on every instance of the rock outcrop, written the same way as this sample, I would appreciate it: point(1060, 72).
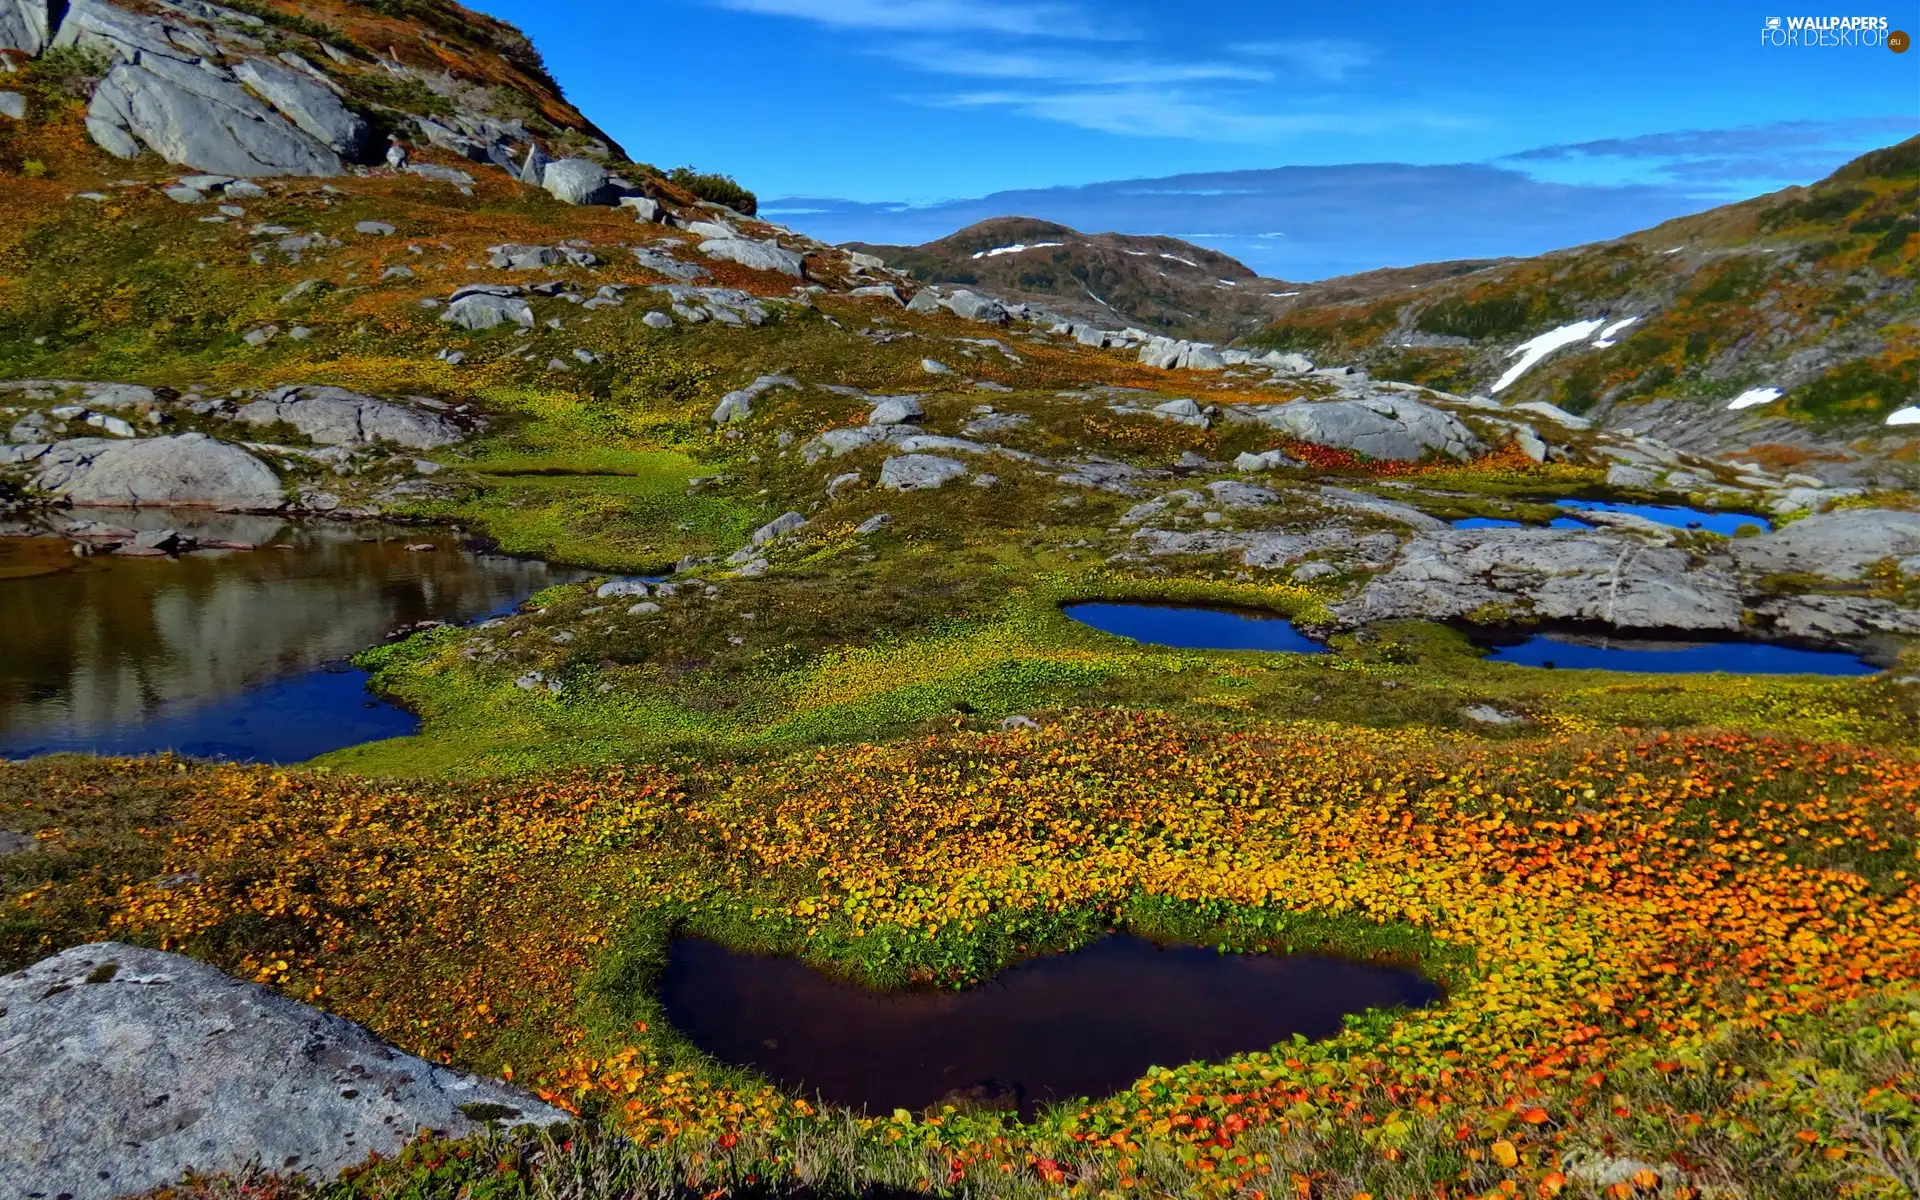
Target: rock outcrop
point(127, 1068)
point(1383, 427)
point(190, 469)
point(1836, 545)
point(25, 25)
point(334, 416)
point(169, 93)
point(1536, 575)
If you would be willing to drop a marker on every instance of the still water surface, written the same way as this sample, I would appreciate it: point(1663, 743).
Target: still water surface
point(1191, 628)
point(1082, 1024)
point(226, 654)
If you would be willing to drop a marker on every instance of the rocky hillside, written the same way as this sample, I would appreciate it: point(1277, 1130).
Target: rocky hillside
point(1786, 328)
point(1161, 284)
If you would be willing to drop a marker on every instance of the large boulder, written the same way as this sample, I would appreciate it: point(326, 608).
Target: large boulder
point(197, 119)
point(191, 469)
point(335, 416)
point(920, 472)
point(1382, 427)
point(309, 105)
point(1835, 545)
point(127, 1068)
point(25, 25)
point(759, 256)
point(169, 94)
point(579, 181)
point(1532, 575)
point(484, 310)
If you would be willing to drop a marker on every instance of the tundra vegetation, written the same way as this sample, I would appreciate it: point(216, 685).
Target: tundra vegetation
point(1674, 916)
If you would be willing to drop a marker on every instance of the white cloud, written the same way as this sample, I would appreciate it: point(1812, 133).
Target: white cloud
point(1053, 20)
point(1069, 68)
point(1330, 59)
point(1183, 114)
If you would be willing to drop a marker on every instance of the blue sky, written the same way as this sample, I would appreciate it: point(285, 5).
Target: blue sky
point(899, 104)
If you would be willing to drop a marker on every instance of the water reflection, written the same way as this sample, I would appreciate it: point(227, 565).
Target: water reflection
point(119, 655)
point(1080, 1024)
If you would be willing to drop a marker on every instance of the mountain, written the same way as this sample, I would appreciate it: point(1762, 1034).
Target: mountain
point(1161, 284)
point(1687, 329)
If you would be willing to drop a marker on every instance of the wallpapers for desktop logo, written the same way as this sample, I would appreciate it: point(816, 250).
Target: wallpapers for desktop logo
point(1869, 32)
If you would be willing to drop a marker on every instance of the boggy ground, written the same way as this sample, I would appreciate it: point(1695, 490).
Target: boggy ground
point(1672, 914)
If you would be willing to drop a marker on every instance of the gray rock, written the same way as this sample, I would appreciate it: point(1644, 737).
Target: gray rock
point(166, 93)
point(1381, 427)
point(374, 228)
point(645, 210)
point(1835, 545)
point(1184, 412)
point(26, 26)
point(439, 174)
point(12, 104)
point(312, 107)
point(1487, 714)
point(1622, 475)
point(925, 303)
point(334, 416)
point(579, 181)
point(934, 366)
point(972, 306)
point(873, 524)
point(758, 256)
point(16, 843)
point(657, 320)
point(666, 264)
point(778, 528)
point(127, 1068)
point(190, 469)
point(481, 311)
point(883, 291)
point(1309, 571)
point(1233, 494)
point(920, 472)
point(1594, 576)
point(1267, 461)
point(1018, 722)
point(1405, 514)
point(1838, 618)
point(738, 405)
point(624, 587)
point(896, 410)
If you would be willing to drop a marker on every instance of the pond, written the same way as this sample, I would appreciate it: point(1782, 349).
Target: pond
point(226, 654)
point(1082, 1024)
point(1666, 657)
point(1189, 627)
point(1675, 515)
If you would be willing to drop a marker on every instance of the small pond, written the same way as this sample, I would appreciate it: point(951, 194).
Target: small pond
point(1082, 1024)
point(1190, 628)
point(1675, 515)
point(1666, 657)
point(225, 654)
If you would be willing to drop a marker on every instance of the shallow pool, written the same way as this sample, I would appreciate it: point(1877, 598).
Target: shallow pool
point(1675, 515)
point(227, 654)
point(1192, 628)
point(1571, 652)
point(1082, 1024)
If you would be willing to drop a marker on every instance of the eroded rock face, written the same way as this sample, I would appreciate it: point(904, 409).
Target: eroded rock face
point(190, 470)
point(758, 256)
point(309, 105)
point(1550, 575)
point(334, 416)
point(24, 26)
point(1383, 427)
point(126, 1068)
point(169, 94)
point(1835, 545)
